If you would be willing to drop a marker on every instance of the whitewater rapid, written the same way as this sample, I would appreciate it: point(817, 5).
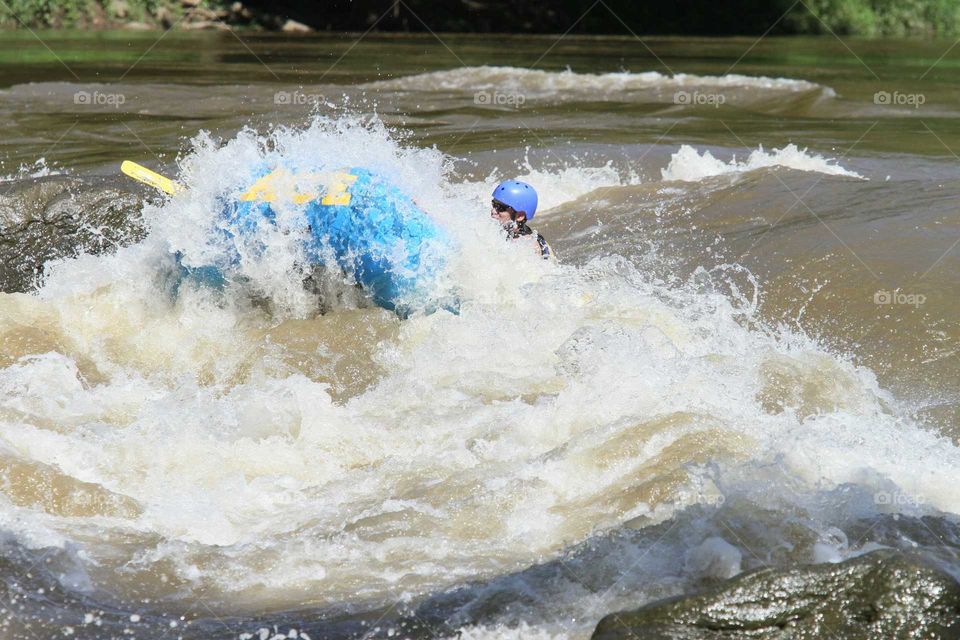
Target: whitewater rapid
point(241, 446)
point(611, 86)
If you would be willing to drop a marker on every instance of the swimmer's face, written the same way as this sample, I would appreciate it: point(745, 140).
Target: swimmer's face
point(501, 212)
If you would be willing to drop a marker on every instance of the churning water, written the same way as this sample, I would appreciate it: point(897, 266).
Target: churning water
point(709, 380)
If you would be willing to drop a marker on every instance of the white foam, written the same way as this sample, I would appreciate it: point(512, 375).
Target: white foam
point(523, 631)
point(714, 558)
point(490, 440)
point(555, 185)
point(689, 165)
point(39, 169)
point(536, 83)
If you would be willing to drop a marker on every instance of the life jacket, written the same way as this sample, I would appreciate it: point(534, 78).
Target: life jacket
point(523, 230)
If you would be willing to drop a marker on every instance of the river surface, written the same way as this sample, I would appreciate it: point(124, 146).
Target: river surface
point(746, 355)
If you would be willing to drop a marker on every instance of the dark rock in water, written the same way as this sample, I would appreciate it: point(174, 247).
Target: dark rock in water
point(881, 595)
point(42, 219)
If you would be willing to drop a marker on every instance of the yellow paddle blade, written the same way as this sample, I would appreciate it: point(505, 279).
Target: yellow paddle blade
point(152, 178)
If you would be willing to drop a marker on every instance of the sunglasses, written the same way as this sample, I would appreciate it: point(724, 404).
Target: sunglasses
point(499, 207)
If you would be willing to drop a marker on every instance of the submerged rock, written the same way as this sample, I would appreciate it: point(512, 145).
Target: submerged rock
point(881, 595)
point(52, 217)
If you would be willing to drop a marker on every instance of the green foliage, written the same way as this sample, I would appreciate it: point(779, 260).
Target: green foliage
point(43, 13)
point(76, 13)
point(876, 17)
point(868, 18)
point(844, 17)
point(909, 17)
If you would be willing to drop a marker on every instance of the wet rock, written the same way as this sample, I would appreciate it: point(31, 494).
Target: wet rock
point(240, 12)
point(42, 219)
point(164, 16)
point(292, 26)
point(881, 595)
point(204, 14)
point(201, 25)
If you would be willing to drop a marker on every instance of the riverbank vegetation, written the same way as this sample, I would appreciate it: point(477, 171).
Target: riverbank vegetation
point(869, 18)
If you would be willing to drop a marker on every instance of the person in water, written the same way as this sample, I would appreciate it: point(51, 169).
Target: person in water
point(514, 204)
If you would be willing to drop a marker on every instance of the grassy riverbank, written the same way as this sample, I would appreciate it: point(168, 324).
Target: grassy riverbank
point(870, 18)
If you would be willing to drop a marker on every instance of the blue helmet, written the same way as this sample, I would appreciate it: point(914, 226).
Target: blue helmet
point(517, 195)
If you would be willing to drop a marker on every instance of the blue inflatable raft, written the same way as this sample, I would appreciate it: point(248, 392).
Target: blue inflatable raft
point(356, 219)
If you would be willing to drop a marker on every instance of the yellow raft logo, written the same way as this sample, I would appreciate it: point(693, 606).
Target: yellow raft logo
point(280, 184)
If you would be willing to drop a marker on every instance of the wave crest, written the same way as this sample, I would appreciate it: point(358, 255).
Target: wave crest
point(689, 165)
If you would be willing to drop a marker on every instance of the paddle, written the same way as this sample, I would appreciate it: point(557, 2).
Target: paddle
point(148, 177)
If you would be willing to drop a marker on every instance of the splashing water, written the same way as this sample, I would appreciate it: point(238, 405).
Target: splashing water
point(262, 454)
